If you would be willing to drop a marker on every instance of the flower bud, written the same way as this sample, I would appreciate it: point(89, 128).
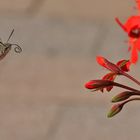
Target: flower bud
point(107, 64)
point(115, 110)
point(122, 96)
point(98, 84)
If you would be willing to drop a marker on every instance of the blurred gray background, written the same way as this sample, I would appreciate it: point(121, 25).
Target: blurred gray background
point(42, 94)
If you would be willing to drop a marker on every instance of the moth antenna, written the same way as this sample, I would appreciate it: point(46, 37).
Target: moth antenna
point(17, 49)
point(10, 36)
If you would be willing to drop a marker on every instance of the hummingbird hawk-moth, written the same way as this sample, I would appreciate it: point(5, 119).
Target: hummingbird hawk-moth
point(6, 47)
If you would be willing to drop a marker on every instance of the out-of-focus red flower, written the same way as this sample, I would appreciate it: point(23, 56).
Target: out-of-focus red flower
point(138, 4)
point(122, 65)
point(132, 28)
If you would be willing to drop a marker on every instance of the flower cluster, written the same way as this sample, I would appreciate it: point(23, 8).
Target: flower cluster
point(108, 82)
point(121, 68)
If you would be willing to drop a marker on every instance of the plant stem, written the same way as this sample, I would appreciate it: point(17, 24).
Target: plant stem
point(126, 87)
point(131, 78)
point(132, 99)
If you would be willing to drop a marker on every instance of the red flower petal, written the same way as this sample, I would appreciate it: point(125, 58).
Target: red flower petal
point(124, 65)
point(109, 88)
point(132, 26)
point(120, 24)
point(134, 55)
point(132, 23)
point(101, 60)
point(138, 4)
point(110, 76)
point(135, 46)
point(90, 85)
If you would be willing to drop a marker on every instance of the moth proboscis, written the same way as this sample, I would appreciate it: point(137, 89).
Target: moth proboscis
point(6, 47)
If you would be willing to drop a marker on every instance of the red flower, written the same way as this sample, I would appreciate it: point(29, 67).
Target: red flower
point(116, 69)
point(132, 28)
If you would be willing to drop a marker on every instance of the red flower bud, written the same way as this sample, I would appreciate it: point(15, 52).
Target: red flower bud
point(115, 110)
point(90, 85)
point(98, 84)
point(107, 64)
